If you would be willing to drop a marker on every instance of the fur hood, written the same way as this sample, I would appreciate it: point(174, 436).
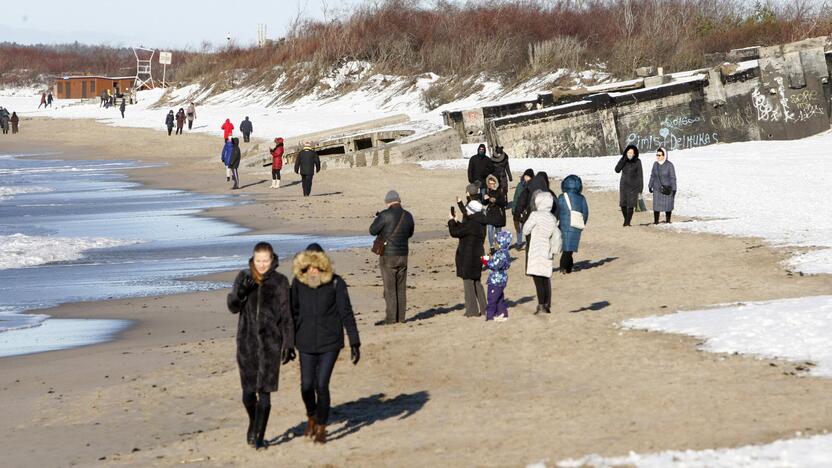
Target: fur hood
point(307, 258)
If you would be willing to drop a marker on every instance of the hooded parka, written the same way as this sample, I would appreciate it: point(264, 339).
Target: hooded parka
point(632, 179)
point(571, 187)
point(545, 241)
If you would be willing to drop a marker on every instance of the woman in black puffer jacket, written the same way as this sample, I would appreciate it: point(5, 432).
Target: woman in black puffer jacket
point(265, 335)
point(322, 311)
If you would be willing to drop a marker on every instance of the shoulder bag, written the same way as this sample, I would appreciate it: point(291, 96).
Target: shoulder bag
point(576, 218)
point(380, 243)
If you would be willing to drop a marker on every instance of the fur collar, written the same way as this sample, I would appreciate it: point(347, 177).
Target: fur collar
point(307, 258)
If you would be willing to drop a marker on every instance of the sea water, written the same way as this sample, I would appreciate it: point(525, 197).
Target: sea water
point(75, 231)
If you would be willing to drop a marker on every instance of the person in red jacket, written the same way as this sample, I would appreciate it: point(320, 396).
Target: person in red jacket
point(277, 161)
point(228, 129)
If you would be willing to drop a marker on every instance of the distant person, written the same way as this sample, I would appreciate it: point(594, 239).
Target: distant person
point(663, 186)
point(191, 114)
point(307, 164)
point(122, 106)
point(227, 129)
point(42, 100)
point(479, 167)
point(516, 211)
point(109, 101)
point(15, 120)
point(227, 150)
point(4, 120)
point(277, 161)
point(322, 312)
point(571, 203)
point(543, 234)
point(499, 159)
point(103, 98)
point(265, 335)
point(494, 203)
point(49, 99)
point(631, 184)
point(169, 121)
point(468, 259)
point(396, 226)
point(246, 128)
point(234, 164)
point(498, 264)
point(180, 120)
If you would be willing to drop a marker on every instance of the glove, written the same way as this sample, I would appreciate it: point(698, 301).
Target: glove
point(355, 353)
point(247, 285)
point(288, 355)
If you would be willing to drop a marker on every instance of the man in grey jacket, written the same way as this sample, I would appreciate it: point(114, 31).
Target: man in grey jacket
point(396, 226)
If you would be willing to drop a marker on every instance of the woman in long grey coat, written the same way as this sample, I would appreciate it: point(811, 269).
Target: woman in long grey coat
point(663, 186)
point(632, 182)
point(544, 243)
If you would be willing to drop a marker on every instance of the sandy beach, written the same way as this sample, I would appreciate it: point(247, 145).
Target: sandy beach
point(439, 390)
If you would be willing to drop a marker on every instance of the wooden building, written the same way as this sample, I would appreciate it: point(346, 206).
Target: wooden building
point(81, 87)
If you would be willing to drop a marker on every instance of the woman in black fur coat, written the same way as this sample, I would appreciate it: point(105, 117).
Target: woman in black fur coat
point(265, 335)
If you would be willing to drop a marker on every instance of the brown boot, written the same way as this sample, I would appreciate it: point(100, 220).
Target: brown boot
point(310, 427)
point(320, 434)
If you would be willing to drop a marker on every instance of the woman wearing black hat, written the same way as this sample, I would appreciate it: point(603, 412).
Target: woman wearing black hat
point(265, 335)
point(322, 311)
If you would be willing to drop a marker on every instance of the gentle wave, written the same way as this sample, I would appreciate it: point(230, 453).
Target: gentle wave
point(6, 192)
point(19, 250)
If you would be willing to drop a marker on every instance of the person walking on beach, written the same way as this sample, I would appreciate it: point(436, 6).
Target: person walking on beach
point(234, 163)
point(15, 121)
point(277, 161)
point(42, 100)
point(573, 214)
point(225, 156)
point(265, 335)
point(663, 186)
point(631, 184)
point(122, 106)
point(479, 167)
point(494, 203)
point(471, 234)
point(169, 121)
point(516, 211)
point(180, 120)
point(247, 128)
point(499, 159)
point(395, 225)
point(49, 99)
point(191, 113)
point(227, 129)
point(307, 164)
point(498, 264)
point(4, 120)
point(322, 311)
point(544, 243)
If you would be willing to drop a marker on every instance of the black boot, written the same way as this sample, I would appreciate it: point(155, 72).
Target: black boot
point(666, 216)
point(624, 213)
point(655, 217)
point(261, 419)
point(251, 410)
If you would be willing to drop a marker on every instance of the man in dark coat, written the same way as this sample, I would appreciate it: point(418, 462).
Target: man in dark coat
point(49, 99)
point(307, 164)
point(247, 128)
point(471, 234)
point(234, 164)
point(480, 167)
point(169, 121)
point(632, 182)
point(396, 226)
point(265, 335)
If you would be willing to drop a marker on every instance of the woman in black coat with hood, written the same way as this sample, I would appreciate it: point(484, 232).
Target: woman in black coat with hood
point(540, 181)
point(322, 312)
point(265, 335)
point(632, 182)
point(471, 234)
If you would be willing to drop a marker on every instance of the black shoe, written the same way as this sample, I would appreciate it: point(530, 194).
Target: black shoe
point(251, 434)
point(261, 419)
point(228, 179)
point(539, 309)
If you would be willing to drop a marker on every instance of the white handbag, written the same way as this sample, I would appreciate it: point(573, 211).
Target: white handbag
point(576, 218)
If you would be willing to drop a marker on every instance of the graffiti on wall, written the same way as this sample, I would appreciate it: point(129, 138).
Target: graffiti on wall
point(734, 121)
point(806, 105)
point(672, 141)
point(766, 111)
point(798, 107)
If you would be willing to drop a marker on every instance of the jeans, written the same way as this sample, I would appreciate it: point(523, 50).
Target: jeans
point(492, 235)
point(394, 277)
point(315, 372)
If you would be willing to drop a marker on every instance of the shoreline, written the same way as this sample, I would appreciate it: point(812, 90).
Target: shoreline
point(600, 389)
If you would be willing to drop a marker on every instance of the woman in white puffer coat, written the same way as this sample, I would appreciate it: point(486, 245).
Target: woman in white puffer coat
point(544, 246)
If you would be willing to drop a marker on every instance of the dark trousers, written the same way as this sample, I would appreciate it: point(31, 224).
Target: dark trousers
point(543, 286)
point(496, 302)
point(628, 214)
point(566, 262)
point(306, 183)
point(315, 372)
point(474, 298)
point(14, 128)
point(275, 174)
point(666, 216)
point(394, 277)
point(179, 129)
point(122, 114)
point(170, 129)
point(190, 124)
point(236, 177)
point(246, 137)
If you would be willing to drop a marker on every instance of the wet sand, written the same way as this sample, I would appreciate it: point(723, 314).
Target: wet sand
point(438, 390)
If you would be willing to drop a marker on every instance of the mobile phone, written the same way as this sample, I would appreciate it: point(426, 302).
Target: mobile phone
point(453, 211)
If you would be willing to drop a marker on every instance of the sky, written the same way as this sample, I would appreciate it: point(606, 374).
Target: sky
point(169, 24)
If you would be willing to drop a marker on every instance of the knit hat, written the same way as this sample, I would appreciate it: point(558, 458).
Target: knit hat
point(472, 189)
point(473, 206)
point(529, 172)
point(314, 247)
point(392, 196)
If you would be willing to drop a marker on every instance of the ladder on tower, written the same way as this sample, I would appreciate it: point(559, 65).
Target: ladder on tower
point(144, 72)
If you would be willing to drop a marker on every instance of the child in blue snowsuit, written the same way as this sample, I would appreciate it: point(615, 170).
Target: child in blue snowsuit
point(498, 264)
